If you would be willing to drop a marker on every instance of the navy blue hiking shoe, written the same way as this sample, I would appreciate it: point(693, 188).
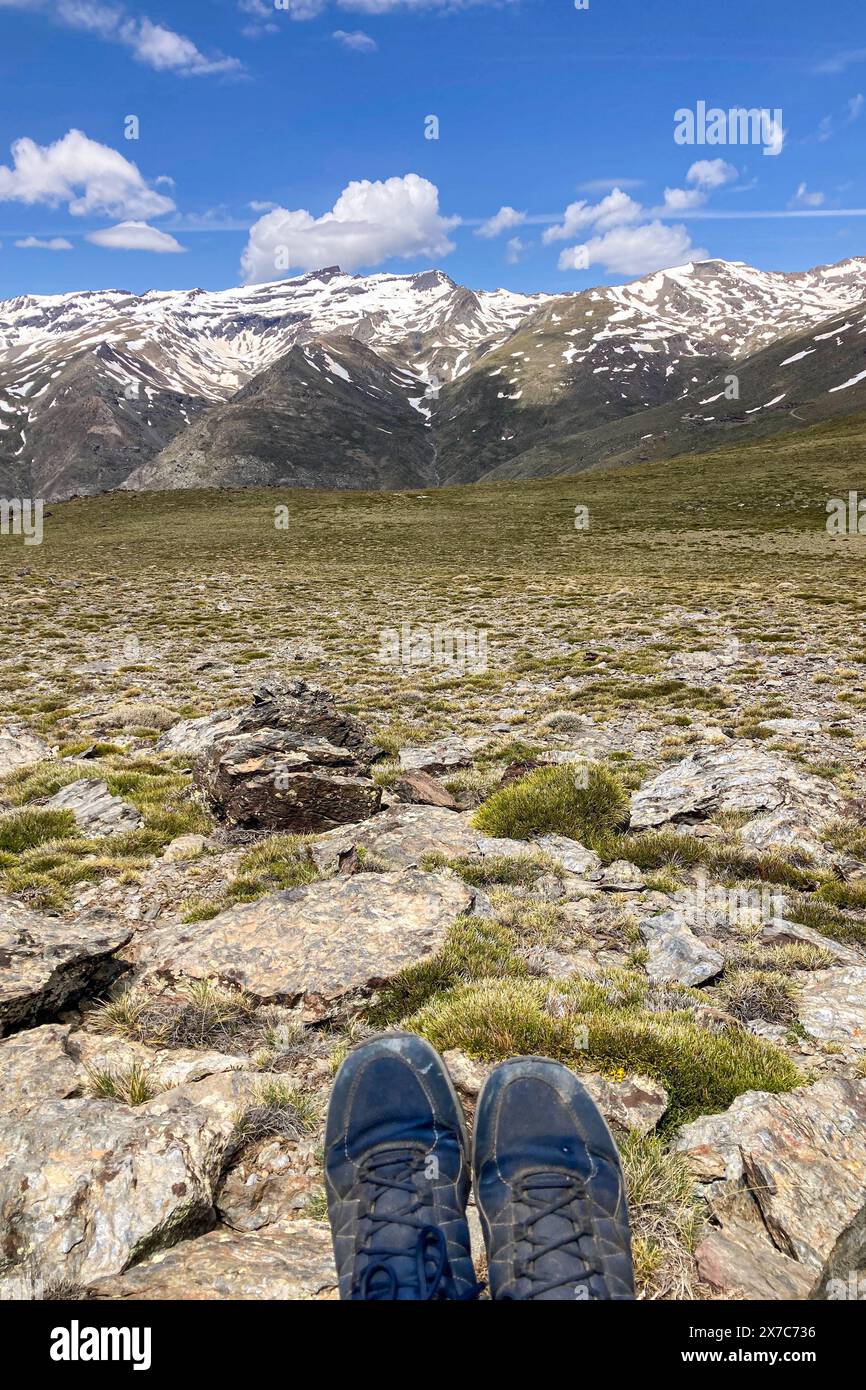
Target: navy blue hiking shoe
point(397, 1172)
point(549, 1188)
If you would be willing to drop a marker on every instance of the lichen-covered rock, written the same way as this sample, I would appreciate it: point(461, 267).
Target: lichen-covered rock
point(675, 954)
point(87, 1187)
point(831, 1005)
point(35, 1066)
point(290, 1262)
point(574, 857)
point(19, 748)
point(96, 811)
point(278, 779)
point(401, 836)
point(47, 964)
point(445, 755)
point(270, 1184)
point(421, 789)
point(799, 1157)
point(191, 738)
point(315, 944)
point(737, 777)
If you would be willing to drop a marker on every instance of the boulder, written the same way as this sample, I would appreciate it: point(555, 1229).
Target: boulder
point(675, 954)
point(571, 854)
point(635, 1104)
point(88, 1187)
point(621, 877)
point(191, 738)
point(279, 779)
point(18, 748)
point(313, 945)
point(401, 836)
point(424, 790)
point(35, 1066)
point(740, 1261)
point(787, 831)
point(184, 847)
point(799, 1158)
point(832, 1005)
point(47, 964)
point(300, 708)
point(446, 755)
point(737, 777)
point(290, 1262)
point(96, 811)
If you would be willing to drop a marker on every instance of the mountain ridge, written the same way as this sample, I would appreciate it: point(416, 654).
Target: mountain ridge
point(392, 373)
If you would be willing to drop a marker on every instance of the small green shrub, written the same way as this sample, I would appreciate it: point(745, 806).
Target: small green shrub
point(553, 800)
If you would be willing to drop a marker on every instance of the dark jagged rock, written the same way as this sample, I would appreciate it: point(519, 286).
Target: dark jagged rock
point(47, 964)
point(277, 779)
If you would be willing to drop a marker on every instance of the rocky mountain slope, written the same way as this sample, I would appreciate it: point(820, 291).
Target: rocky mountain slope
point(635, 841)
point(108, 389)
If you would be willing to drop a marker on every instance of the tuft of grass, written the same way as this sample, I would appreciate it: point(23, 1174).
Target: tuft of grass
point(553, 801)
point(27, 829)
point(278, 1110)
point(131, 1085)
point(751, 994)
point(666, 1218)
point(516, 870)
point(475, 948)
point(275, 864)
point(200, 1014)
point(822, 917)
point(703, 1071)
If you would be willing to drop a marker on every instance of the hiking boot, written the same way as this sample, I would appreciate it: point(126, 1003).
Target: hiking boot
point(549, 1188)
point(397, 1172)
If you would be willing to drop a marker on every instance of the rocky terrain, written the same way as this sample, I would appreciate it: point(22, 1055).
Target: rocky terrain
point(387, 381)
point(240, 831)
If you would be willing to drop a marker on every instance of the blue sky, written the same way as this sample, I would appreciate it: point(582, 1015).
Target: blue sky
point(273, 140)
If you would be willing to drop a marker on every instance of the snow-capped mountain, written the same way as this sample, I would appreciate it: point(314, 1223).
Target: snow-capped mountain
point(106, 389)
point(212, 344)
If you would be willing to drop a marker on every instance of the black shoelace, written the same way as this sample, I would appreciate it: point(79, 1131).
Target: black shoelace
point(398, 1171)
point(549, 1194)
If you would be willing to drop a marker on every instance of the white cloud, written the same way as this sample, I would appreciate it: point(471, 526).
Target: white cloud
point(711, 173)
point(603, 185)
point(167, 51)
point(680, 200)
point(262, 18)
point(80, 172)
point(35, 243)
point(633, 250)
point(852, 112)
point(356, 39)
point(135, 236)
point(149, 43)
point(256, 206)
point(501, 221)
point(840, 61)
point(514, 249)
point(617, 209)
point(804, 199)
point(370, 222)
